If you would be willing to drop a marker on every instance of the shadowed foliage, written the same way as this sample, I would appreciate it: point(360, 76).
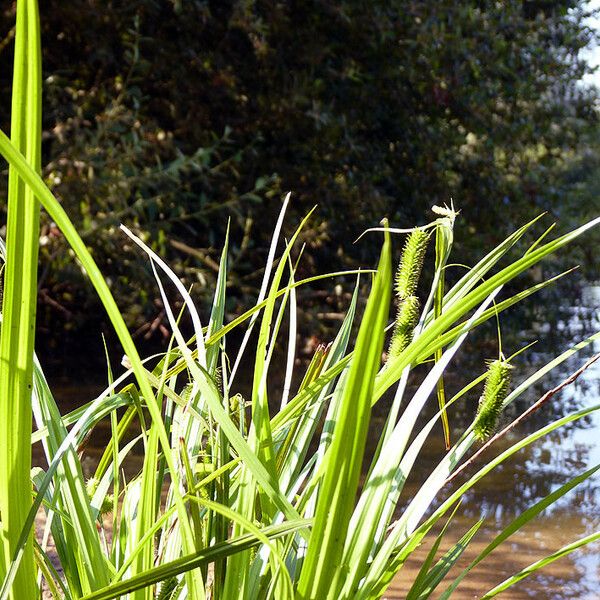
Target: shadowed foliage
point(171, 116)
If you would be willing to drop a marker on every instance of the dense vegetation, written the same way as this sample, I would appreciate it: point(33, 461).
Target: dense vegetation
point(259, 495)
point(174, 116)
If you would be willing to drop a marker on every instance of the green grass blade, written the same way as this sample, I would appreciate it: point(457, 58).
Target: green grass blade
point(264, 284)
point(260, 438)
point(217, 313)
point(404, 538)
point(474, 275)
point(337, 492)
point(386, 479)
point(221, 333)
point(54, 526)
point(198, 559)
point(150, 501)
point(499, 307)
point(421, 577)
point(146, 512)
point(160, 522)
point(219, 525)
point(293, 451)
point(291, 350)
point(403, 549)
point(56, 211)
point(430, 337)
point(443, 566)
point(73, 438)
point(19, 306)
point(443, 246)
point(211, 395)
point(51, 576)
point(80, 534)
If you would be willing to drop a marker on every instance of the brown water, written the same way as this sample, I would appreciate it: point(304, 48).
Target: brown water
point(530, 475)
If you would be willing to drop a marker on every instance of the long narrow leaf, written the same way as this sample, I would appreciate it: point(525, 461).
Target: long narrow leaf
point(336, 497)
point(19, 305)
point(540, 564)
point(197, 559)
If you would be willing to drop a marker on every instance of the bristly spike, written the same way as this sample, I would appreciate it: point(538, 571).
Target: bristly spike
point(167, 588)
point(406, 321)
point(497, 383)
point(411, 262)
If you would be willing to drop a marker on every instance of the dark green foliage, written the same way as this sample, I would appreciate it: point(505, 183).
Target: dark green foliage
point(171, 116)
point(497, 384)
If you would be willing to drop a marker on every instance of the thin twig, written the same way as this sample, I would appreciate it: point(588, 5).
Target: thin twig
point(547, 396)
point(207, 260)
point(8, 39)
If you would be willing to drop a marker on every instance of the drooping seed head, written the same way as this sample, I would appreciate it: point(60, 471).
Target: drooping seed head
point(497, 383)
point(411, 262)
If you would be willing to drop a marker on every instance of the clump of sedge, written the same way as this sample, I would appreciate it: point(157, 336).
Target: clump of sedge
point(497, 383)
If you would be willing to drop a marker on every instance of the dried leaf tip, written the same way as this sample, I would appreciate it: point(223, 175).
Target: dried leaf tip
point(446, 211)
point(497, 384)
point(411, 263)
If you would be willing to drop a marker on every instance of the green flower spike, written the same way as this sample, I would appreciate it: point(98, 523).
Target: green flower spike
point(411, 262)
point(496, 387)
point(408, 315)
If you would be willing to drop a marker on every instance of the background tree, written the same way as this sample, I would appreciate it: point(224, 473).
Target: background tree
point(174, 116)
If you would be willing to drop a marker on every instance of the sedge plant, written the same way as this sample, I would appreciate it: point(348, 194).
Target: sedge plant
point(259, 494)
